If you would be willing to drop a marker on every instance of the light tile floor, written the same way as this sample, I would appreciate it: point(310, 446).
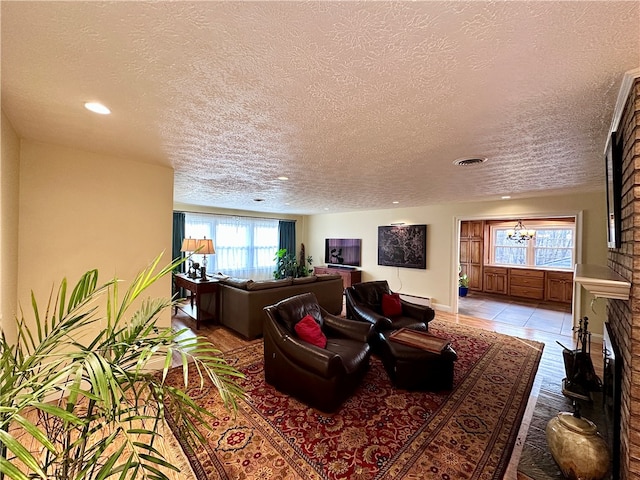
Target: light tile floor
point(546, 317)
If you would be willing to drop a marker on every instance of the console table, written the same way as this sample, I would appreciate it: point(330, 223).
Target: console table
point(349, 276)
point(197, 287)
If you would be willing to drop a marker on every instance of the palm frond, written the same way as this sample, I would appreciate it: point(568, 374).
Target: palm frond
point(108, 397)
point(19, 450)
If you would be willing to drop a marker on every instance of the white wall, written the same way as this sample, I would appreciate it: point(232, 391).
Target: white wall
point(81, 210)
point(9, 191)
point(439, 280)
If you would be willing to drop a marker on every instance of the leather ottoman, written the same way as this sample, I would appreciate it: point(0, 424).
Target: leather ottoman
point(413, 368)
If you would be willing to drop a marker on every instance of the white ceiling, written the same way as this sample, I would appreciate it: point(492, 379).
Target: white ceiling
point(360, 104)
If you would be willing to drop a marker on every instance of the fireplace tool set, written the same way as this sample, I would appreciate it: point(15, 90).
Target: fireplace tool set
point(581, 377)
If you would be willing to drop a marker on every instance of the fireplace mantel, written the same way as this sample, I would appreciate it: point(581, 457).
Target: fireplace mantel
point(601, 281)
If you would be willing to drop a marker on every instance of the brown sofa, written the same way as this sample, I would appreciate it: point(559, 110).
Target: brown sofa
point(242, 301)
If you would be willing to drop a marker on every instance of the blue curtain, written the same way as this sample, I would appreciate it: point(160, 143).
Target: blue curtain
point(287, 235)
point(178, 236)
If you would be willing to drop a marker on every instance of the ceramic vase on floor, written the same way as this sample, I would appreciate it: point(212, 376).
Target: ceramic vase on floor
point(577, 447)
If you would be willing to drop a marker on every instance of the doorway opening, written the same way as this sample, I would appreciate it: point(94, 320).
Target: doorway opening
point(527, 283)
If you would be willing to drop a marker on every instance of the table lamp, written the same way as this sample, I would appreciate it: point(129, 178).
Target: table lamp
point(205, 247)
point(190, 245)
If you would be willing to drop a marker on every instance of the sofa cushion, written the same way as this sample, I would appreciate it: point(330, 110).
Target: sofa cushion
point(300, 280)
point(236, 282)
point(309, 331)
point(265, 284)
point(352, 352)
point(391, 306)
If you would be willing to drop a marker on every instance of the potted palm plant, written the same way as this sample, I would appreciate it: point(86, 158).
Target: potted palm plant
point(76, 404)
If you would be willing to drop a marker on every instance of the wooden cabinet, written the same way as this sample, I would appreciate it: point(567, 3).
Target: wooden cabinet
point(472, 229)
point(471, 251)
point(550, 286)
point(496, 280)
point(526, 283)
point(349, 276)
point(559, 287)
point(474, 272)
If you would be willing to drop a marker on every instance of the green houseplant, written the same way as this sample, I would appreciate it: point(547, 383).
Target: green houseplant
point(463, 284)
point(288, 266)
point(90, 403)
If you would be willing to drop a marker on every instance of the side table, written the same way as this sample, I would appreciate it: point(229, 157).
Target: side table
point(197, 287)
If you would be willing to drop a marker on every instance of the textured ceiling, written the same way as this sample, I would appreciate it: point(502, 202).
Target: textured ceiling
point(360, 104)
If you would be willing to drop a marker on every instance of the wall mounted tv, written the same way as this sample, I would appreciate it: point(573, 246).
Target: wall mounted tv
point(613, 171)
point(342, 251)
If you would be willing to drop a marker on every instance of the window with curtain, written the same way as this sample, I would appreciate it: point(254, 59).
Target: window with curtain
point(245, 247)
point(553, 246)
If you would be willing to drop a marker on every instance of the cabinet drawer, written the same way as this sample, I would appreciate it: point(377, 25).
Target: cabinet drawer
point(527, 292)
point(522, 272)
point(498, 270)
point(520, 281)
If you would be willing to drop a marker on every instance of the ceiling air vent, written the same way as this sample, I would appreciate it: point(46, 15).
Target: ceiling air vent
point(464, 162)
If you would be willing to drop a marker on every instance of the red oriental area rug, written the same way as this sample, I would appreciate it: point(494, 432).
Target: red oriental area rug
point(381, 432)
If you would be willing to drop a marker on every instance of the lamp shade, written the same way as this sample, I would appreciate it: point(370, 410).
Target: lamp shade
point(189, 245)
point(205, 246)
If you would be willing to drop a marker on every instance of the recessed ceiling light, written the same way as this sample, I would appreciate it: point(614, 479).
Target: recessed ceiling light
point(505, 197)
point(326, 208)
point(283, 178)
point(97, 108)
point(395, 202)
point(466, 161)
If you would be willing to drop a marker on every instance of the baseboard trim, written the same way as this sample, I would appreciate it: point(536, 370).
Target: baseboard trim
point(442, 308)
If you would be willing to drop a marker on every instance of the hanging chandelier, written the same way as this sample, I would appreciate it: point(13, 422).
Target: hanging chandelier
point(520, 233)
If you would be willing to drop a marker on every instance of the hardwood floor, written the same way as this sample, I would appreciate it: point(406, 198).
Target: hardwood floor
point(543, 323)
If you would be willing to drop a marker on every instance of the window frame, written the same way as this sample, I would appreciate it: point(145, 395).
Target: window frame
point(248, 251)
point(530, 245)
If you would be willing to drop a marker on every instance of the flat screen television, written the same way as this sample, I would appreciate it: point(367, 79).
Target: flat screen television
point(342, 251)
point(613, 171)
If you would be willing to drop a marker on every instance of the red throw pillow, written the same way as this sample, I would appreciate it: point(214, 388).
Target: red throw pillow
point(391, 306)
point(309, 331)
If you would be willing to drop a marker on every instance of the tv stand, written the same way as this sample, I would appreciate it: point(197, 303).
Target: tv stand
point(349, 275)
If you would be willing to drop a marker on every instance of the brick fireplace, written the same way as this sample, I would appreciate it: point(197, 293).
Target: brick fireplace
point(624, 315)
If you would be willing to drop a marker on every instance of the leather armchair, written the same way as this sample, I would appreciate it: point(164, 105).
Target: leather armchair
point(322, 378)
point(364, 303)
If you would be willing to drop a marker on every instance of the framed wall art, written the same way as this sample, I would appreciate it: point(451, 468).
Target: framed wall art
point(402, 246)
